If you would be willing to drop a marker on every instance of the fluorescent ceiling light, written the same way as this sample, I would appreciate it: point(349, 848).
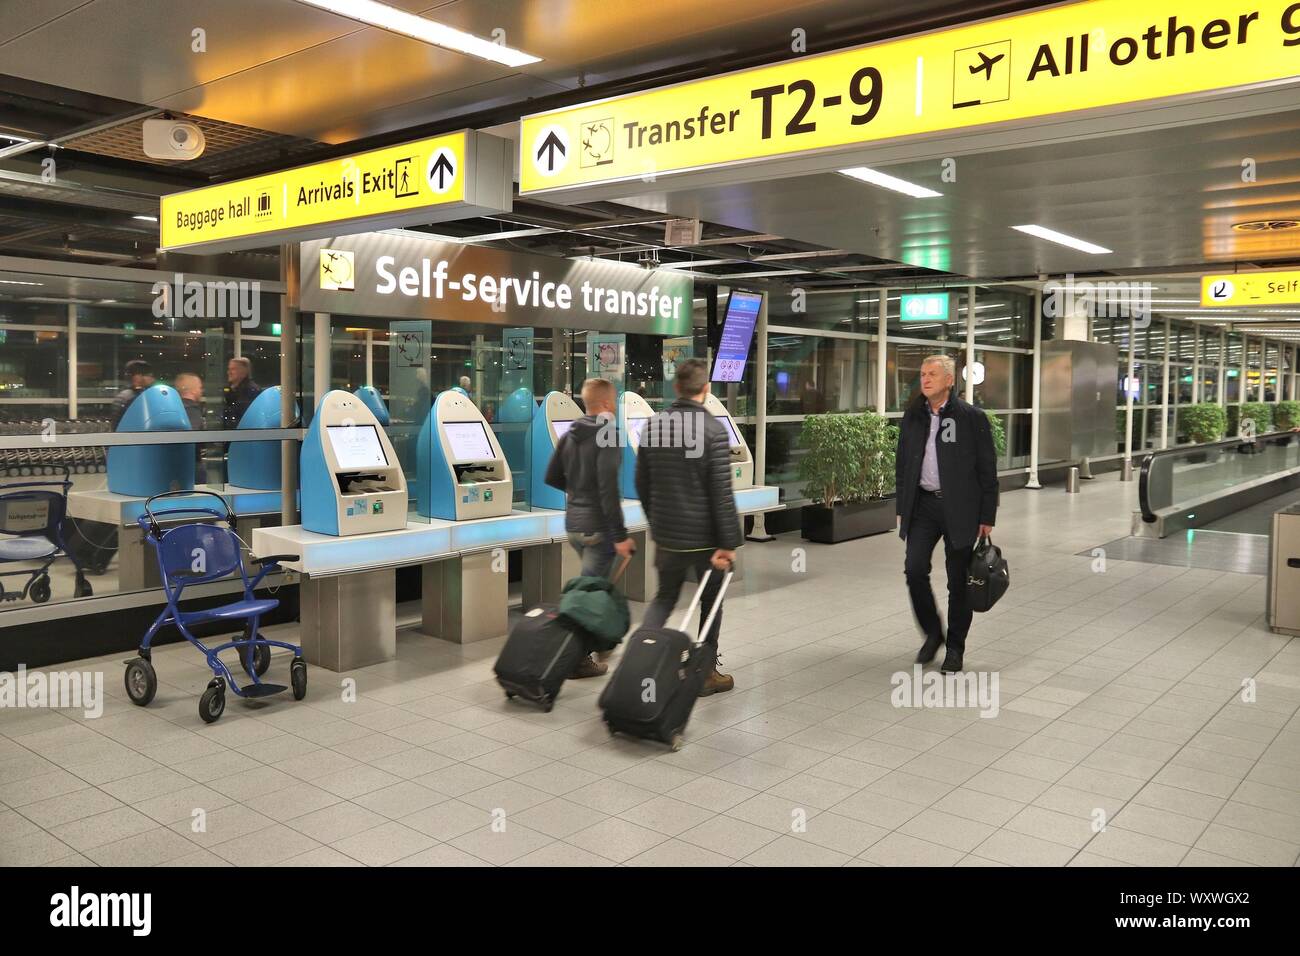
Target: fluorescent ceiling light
point(1060, 238)
point(17, 282)
point(146, 218)
point(877, 178)
point(389, 18)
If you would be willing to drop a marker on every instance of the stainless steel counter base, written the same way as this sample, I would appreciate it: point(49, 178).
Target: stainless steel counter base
point(349, 620)
point(464, 598)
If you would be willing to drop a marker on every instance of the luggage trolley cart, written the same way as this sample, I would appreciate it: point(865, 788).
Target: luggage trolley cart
point(196, 553)
point(31, 532)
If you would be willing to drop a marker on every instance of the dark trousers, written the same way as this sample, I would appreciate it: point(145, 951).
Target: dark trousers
point(923, 534)
point(673, 566)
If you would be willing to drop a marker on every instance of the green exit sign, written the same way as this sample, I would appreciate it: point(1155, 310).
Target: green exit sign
point(932, 307)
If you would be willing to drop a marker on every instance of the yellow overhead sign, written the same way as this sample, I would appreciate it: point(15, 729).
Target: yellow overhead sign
point(1250, 289)
point(1064, 59)
point(423, 181)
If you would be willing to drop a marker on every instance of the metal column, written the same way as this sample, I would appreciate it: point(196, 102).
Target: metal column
point(370, 357)
point(970, 343)
point(1164, 393)
point(1127, 473)
point(1036, 387)
point(320, 371)
point(1223, 367)
point(289, 266)
point(760, 416)
point(1196, 365)
point(72, 361)
point(882, 359)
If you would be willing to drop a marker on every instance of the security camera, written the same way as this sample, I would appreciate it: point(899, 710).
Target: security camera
point(172, 139)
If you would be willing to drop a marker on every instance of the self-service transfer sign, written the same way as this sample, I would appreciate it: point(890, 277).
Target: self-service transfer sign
point(1061, 60)
point(445, 177)
point(1251, 288)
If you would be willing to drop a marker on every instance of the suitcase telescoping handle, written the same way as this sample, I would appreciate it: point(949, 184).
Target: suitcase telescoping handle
point(695, 601)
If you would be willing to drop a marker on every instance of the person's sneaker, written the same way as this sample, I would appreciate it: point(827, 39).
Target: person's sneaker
point(603, 656)
point(589, 668)
point(717, 683)
point(952, 662)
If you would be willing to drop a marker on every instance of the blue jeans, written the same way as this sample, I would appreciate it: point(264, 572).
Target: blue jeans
point(596, 551)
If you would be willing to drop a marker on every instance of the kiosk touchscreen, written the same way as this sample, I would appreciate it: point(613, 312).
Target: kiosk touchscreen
point(633, 413)
point(552, 419)
point(352, 482)
point(742, 463)
point(462, 470)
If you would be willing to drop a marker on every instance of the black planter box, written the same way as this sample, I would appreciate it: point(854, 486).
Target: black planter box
point(845, 522)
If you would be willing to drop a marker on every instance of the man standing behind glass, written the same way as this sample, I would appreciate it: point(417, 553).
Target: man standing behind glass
point(240, 391)
point(946, 481)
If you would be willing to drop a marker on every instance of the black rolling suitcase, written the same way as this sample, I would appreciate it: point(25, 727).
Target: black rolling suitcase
point(659, 678)
point(540, 654)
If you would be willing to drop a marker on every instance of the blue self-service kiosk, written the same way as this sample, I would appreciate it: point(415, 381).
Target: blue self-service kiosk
point(552, 419)
point(512, 423)
point(352, 482)
point(144, 470)
point(633, 413)
point(256, 464)
point(375, 402)
point(462, 471)
point(742, 462)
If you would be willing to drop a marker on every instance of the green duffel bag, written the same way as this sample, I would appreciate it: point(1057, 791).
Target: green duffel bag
point(593, 605)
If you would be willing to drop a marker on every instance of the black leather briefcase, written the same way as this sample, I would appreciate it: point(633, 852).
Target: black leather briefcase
point(988, 577)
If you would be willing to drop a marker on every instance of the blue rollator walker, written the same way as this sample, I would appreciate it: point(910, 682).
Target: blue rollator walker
point(197, 553)
point(31, 532)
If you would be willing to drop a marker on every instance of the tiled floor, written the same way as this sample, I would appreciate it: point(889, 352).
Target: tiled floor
point(1121, 696)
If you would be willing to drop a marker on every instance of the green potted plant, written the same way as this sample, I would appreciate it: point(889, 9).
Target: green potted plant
point(848, 472)
point(1286, 415)
point(1203, 423)
point(999, 434)
point(1259, 412)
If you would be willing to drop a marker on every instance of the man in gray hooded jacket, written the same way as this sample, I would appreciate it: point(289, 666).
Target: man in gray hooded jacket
point(585, 466)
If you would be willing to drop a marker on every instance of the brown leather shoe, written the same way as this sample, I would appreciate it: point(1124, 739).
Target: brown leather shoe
point(589, 668)
point(717, 683)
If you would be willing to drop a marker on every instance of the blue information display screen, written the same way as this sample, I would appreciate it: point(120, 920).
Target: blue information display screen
point(737, 333)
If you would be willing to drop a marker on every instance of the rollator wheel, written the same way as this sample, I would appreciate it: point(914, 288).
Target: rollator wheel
point(298, 678)
point(259, 657)
point(212, 704)
point(40, 592)
point(82, 588)
point(141, 681)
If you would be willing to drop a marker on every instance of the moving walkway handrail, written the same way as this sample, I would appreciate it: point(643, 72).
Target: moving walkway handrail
point(1144, 501)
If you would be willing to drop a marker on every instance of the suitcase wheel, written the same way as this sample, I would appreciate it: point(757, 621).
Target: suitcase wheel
point(510, 695)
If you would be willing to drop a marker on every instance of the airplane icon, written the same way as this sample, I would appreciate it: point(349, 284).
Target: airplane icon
point(986, 81)
point(986, 64)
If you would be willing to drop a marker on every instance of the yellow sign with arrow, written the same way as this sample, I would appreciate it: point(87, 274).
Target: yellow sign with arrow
point(445, 177)
point(1043, 64)
point(1250, 289)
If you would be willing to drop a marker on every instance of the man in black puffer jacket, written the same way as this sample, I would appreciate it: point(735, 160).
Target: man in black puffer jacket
point(683, 475)
point(585, 467)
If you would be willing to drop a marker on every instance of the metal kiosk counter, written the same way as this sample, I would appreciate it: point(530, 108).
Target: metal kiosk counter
point(466, 584)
